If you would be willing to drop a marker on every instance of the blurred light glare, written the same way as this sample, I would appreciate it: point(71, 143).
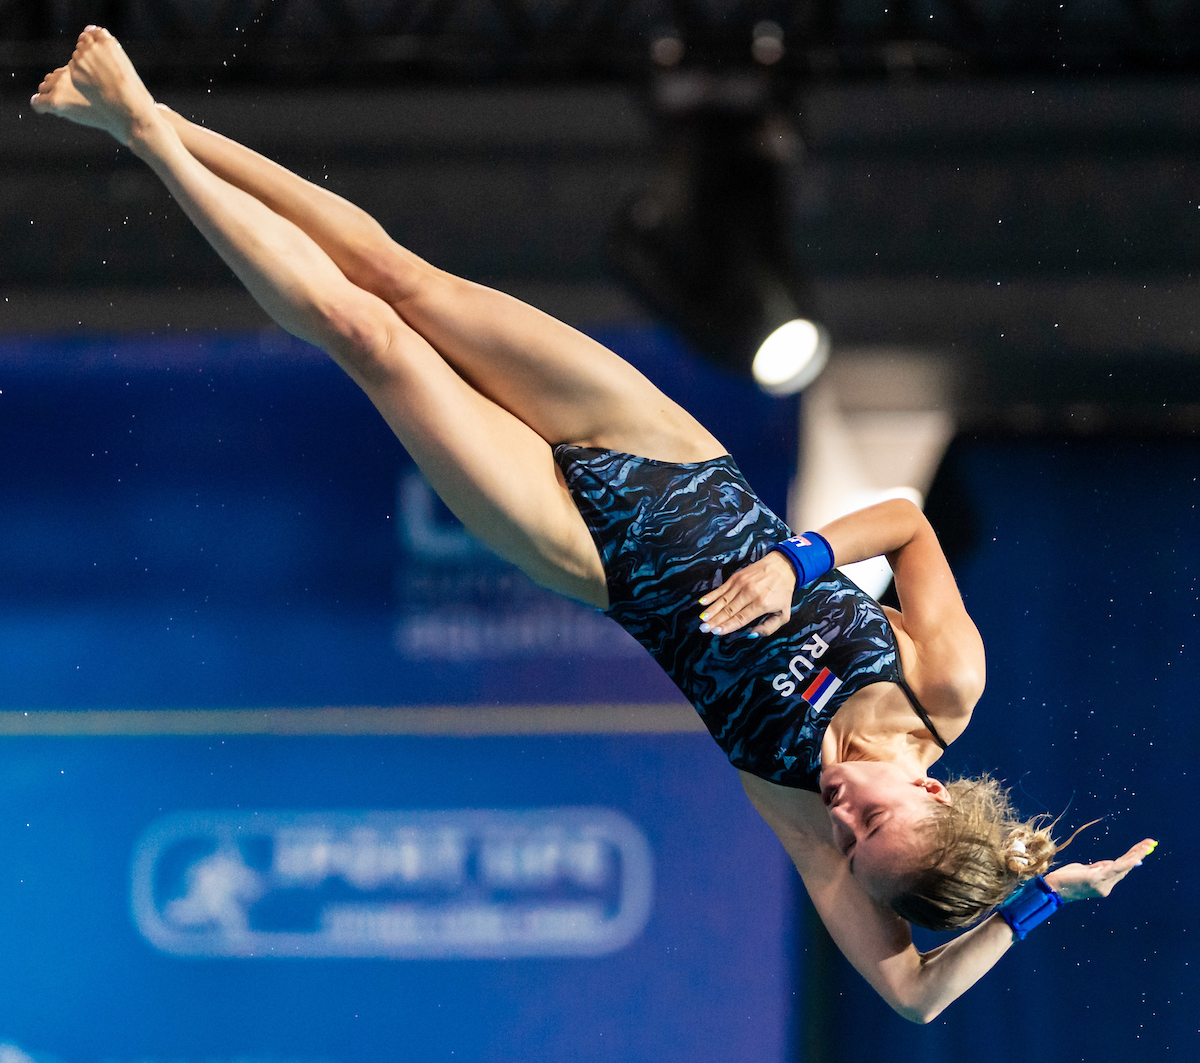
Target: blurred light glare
point(667, 50)
point(791, 357)
point(767, 47)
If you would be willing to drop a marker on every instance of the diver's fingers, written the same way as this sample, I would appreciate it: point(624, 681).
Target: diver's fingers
point(1119, 868)
point(770, 624)
point(735, 618)
point(762, 588)
point(731, 599)
point(1138, 853)
point(1076, 882)
point(721, 606)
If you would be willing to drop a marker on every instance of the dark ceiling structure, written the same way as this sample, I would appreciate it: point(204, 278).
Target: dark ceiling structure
point(1015, 183)
point(195, 41)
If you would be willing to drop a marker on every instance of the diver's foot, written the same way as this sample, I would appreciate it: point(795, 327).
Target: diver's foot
point(98, 87)
point(57, 95)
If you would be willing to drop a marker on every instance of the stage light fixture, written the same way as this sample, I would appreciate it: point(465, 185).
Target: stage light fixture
point(706, 248)
point(791, 358)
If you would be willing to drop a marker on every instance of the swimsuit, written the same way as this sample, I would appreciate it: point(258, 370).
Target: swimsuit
point(667, 533)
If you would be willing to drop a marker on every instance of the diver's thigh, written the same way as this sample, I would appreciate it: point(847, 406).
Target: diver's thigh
point(566, 386)
point(494, 472)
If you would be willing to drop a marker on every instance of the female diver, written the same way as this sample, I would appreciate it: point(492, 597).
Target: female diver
point(567, 462)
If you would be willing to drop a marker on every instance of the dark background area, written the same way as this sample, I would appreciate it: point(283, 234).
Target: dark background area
point(1041, 232)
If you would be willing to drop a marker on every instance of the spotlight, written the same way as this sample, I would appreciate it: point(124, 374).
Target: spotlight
point(791, 358)
point(705, 246)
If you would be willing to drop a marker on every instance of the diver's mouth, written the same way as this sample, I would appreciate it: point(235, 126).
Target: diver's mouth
point(831, 794)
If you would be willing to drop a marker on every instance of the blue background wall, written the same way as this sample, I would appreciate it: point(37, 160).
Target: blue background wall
point(216, 522)
point(226, 523)
point(192, 523)
point(707, 979)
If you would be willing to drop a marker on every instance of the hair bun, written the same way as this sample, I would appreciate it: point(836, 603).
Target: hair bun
point(977, 851)
point(1017, 857)
point(1029, 851)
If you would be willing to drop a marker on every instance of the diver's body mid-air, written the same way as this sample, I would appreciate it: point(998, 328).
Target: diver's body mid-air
point(569, 463)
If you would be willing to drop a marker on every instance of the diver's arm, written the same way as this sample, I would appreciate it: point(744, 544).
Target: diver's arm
point(882, 529)
point(898, 530)
point(935, 620)
point(947, 971)
point(943, 974)
point(878, 943)
point(764, 588)
point(943, 652)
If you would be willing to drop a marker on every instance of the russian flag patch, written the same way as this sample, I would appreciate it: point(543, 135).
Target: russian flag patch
point(821, 689)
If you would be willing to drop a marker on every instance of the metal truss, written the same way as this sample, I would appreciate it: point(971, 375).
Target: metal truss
point(202, 40)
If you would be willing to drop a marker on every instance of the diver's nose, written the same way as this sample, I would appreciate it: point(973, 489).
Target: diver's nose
point(842, 814)
point(843, 829)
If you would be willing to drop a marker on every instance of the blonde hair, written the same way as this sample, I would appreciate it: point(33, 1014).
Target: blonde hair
point(980, 850)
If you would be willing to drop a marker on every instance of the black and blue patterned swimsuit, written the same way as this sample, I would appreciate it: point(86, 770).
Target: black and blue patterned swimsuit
point(669, 532)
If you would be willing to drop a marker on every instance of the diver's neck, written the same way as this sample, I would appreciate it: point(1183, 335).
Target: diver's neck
point(875, 725)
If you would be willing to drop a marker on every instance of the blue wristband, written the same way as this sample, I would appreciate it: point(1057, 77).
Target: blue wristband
point(810, 555)
point(1030, 905)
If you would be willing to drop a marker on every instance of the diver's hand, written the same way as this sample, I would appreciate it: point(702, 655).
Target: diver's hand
point(1077, 882)
point(761, 589)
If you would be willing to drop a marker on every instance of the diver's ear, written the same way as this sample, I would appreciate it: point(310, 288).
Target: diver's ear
point(935, 788)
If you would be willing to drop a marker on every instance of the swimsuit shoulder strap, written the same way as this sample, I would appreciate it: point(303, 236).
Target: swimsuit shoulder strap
point(919, 709)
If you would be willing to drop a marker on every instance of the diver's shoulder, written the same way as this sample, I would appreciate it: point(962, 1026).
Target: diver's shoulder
point(947, 675)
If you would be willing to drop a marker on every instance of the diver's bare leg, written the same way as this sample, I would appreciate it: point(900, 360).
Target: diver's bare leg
point(492, 470)
point(566, 386)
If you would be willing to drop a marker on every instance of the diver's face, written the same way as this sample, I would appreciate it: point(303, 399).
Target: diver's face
point(875, 809)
